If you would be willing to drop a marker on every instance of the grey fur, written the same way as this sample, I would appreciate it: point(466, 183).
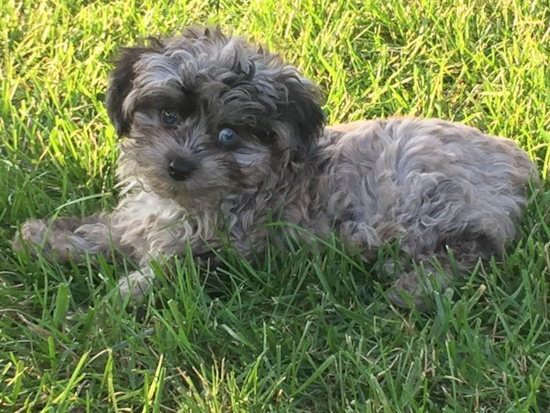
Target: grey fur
point(433, 184)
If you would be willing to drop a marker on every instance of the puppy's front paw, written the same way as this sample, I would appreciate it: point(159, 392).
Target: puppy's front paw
point(33, 233)
point(38, 235)
point(96, 237)
point(136, 284)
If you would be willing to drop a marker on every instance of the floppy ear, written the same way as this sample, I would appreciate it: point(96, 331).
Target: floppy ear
point(121, 80)
point(303, 111)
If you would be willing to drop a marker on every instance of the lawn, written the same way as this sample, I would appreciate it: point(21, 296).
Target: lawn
point(302, 330)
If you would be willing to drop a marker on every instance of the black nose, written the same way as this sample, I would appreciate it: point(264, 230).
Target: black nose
point(180, 169)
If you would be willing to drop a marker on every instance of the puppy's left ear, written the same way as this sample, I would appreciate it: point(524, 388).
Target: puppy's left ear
point(302, 110)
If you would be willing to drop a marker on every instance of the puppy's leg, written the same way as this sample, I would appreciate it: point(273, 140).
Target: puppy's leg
point(136, 284)
point(416, 285)
point(67, 238)
point(439, 270)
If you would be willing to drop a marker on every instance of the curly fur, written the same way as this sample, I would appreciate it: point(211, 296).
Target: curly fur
point(432, 184)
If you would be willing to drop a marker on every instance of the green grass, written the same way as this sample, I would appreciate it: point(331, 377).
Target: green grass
point(303, 330)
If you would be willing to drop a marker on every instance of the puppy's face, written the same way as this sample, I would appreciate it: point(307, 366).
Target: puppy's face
point(206, 115)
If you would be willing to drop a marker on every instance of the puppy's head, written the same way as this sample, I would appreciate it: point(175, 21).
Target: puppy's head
point(208, 115)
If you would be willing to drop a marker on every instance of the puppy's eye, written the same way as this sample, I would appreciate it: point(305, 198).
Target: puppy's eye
point(227, 137)
point(170, 117)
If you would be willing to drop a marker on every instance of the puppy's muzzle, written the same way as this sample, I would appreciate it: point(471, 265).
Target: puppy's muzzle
point(180, 169)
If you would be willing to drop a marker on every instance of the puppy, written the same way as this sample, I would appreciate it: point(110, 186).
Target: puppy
point(218, 134)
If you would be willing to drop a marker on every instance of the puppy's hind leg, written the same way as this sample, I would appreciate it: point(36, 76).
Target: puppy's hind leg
point(437, 272)
point(414, 286)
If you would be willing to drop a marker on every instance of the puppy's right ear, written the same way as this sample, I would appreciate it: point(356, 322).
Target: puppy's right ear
point(120, 85)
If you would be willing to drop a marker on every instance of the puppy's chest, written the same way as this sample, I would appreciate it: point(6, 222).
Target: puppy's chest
point(153, 222)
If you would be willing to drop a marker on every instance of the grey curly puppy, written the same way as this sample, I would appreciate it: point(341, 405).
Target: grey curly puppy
point(219, 132)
